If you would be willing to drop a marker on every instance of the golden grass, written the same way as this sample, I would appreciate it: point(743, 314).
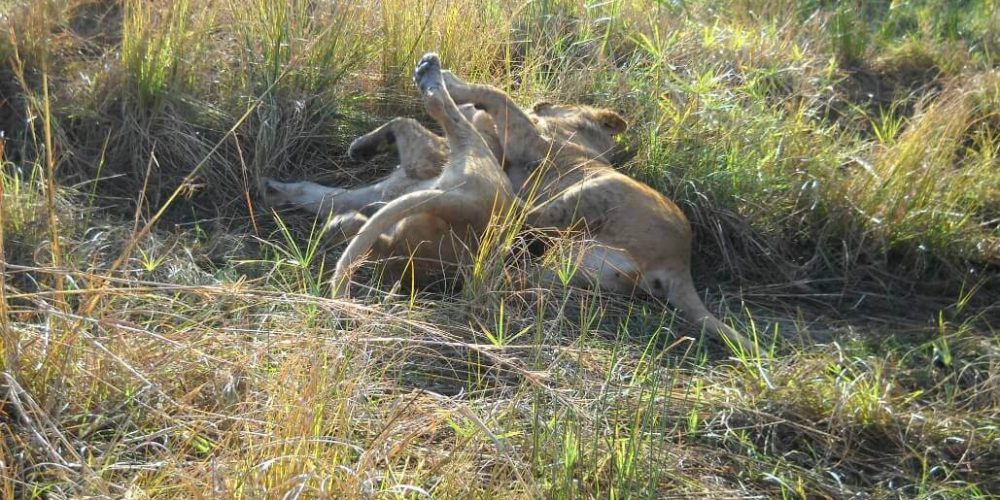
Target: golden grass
point(165, 335)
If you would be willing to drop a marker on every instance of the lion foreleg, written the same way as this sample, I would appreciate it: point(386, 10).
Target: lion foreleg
point(421, 152)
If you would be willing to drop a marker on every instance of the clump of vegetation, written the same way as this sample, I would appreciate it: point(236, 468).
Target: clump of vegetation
point(165, 334)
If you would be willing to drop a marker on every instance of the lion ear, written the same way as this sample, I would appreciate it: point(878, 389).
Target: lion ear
point(612, 121)
point(541, 106)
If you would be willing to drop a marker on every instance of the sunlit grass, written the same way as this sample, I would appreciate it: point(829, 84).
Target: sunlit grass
point(167, 335)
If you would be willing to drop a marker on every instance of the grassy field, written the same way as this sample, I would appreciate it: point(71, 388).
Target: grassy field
point(167, 335)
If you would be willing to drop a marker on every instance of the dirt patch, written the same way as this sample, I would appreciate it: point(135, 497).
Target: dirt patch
point(97, 24)
point(890, 87)
point(11, 105)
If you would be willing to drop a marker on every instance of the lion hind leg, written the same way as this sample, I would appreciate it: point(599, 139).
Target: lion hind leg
point(484, 124)
point(519, 138)
point(304, 195)
point(431, 201)
point(459, 131)
point(421, 152)
point(426, 252)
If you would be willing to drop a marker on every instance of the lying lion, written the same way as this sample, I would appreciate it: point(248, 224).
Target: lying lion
point(643, 240)
point(418, 248)
point(558, 157)
point(469, 194)
point(422, 154)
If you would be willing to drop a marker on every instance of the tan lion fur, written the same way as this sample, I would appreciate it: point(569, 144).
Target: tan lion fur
point(642, 239)
point(558, 156)
point(467, 195)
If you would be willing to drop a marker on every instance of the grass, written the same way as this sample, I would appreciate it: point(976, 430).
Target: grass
point(167, 335)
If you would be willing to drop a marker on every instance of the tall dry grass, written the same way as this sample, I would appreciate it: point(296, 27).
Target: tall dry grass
point(166, 335)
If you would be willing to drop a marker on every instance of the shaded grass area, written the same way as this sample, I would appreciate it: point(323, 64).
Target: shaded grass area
point(166, 335)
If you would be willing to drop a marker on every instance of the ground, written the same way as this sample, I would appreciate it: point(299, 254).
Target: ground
point(165, 334)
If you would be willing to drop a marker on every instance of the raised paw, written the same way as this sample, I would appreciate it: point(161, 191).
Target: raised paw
point(345, 225)
point(275, 192)
point(365, 147)
point(427, 75)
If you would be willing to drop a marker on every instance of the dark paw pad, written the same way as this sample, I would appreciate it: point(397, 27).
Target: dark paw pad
point(535, 242)
point(363, 148)
point(371, 208)
point(345, 225)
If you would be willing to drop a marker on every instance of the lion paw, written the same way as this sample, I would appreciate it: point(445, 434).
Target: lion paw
point(346, 225)
point(275, 192)
point(363, 148)
point(427, 75)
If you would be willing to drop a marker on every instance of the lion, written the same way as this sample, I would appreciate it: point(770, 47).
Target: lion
point(468, 194)
point(416, 247)
point(421, 155)
point(641, 239)
point(565, 152)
